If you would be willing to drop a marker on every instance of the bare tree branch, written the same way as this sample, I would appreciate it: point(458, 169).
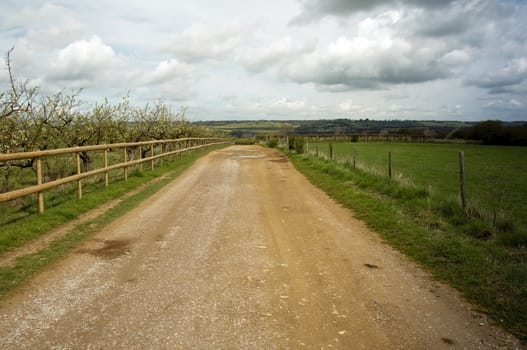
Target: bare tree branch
point(10, 72)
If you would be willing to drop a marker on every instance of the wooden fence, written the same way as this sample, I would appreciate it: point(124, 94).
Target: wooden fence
point(168, 147)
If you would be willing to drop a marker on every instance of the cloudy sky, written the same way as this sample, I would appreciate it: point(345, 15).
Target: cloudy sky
point(279, 59)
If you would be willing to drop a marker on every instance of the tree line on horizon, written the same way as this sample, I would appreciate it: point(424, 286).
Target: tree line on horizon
point(495, 132)
point(490, 132)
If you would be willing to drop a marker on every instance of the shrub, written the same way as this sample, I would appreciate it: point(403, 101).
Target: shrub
point(296, 143)
point(244, 141)
point(272, 143)
point(479, 229)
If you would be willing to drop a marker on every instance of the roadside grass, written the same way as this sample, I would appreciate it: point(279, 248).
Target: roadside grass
point(491, 275)
point(495, 181)
point(21, 232)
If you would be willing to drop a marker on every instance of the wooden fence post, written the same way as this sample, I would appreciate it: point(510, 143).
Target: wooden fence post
point(105, 167)
point(331, 151)
point(141, 157)
point(125, 159)
point(152, 154)
point(316, 151)
point(162, 152)
point(39, 182)
point(79, 182)
point(462, 179)
point(354, 157)
point(390, 165)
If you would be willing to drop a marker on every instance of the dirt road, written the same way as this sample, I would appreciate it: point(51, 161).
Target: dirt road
point(240, 252)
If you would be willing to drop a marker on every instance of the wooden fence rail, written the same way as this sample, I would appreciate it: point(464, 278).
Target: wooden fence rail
point(181, 146)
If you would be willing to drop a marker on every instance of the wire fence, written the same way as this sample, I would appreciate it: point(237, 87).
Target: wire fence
point(494, 181)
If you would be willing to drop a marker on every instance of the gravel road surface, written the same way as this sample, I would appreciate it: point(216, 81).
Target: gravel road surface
point(240, 252)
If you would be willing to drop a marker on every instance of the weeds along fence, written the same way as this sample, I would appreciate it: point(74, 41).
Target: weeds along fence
point(366, 138)
point(483, 181)
point(354, 138)
point(77, 164)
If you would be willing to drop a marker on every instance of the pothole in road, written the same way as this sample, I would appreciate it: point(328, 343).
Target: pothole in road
point(279, 160)
point(371, 266)
point(448, 341)
point(248, 157)
point(111, 249)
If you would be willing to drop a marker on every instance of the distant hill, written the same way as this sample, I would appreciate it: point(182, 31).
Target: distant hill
point(348, 126)
point(237, 128)
point(487, 132)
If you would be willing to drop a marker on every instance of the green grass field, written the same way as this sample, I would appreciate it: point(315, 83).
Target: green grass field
point(495, 176)
point(258, 127)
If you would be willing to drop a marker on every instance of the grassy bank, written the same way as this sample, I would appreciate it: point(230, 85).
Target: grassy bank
point(18, 233)
point(490, 274)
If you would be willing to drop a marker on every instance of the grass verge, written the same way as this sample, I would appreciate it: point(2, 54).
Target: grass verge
point(23, 231)
point(490, 275)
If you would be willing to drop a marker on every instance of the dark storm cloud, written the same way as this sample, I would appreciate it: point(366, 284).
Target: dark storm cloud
point(508, 80)
point(330, 76)
point(315, 9)
point(444, 26)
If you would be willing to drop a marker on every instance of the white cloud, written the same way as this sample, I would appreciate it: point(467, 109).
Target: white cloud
point(170, 70)
point(282, 107)
point(3, 72)
point(350, 106)
point(200, 42)
point(87, 62)
point(376, 57)
point(456, 57)
point(279, 52)
point(507, 104)
point(170, 81)
point(367, 63)
point(55, 36)
point(284, 103)
point(29, 15)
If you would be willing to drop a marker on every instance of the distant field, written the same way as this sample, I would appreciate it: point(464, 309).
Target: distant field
point(237, 128)
point(250, 127)
point(495, 176)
